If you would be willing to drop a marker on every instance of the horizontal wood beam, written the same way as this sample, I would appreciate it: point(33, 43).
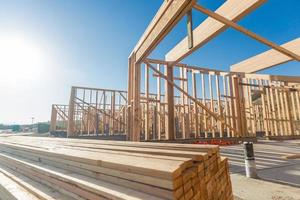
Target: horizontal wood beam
point(290, 79)
point(267, 59)
point(174, 78)
point(166, 18)
point(154, 61)
point(99, 89)
point(232, 9)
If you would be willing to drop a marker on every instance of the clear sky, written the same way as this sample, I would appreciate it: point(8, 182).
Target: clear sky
point(46, 46)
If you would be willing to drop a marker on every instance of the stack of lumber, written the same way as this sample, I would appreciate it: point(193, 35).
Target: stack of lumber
point(93, 169)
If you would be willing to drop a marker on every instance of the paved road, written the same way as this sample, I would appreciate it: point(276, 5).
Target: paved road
point(269, 160)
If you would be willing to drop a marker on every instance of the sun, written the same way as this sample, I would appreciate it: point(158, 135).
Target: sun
point(20, 59)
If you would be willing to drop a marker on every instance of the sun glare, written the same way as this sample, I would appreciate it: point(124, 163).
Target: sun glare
point(20, 59)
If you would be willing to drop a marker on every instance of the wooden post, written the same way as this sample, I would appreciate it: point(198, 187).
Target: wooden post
point(130, 98)
point(294, 117)
point(232, 107)
point(71, 124)
point(170, 120)
point(220, 110)
point(82, 118)
point(196, 114)
point(190, 29)
point(287, 99)
point(275, 119)
point(212, 108)
point(283, 109)
point(105, 131)
point(279, 111)
point(298, 106)
point(96, 116)
point(247, 97)
point(269, 110)
point(185, 121)
point(147, 111)
point(136, 128)
point(112, 115)
point(204, 103)
point(53, 119)
point(182, 109)
point(89, 109)
point(158, 119)
point(242, 109)
point(238, 107)
point(252, 120)
point(263, 99)
point(227, 117)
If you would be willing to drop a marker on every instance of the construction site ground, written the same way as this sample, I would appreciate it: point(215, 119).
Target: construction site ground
point(279, 175)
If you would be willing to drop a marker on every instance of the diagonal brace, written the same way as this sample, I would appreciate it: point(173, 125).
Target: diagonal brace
point(239, 28)
point(214, 115)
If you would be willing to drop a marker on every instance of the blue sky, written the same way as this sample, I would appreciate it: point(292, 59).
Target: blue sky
point(87, 43)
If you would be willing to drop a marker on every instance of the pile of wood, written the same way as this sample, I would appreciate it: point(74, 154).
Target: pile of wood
point(88, 169)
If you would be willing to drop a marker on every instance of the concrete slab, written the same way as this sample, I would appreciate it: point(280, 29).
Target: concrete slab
point(270, 160)
point(255, 189)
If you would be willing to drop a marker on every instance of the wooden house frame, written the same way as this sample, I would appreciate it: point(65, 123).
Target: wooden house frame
point(59, 118)
point(169, 14)
point(94, 111)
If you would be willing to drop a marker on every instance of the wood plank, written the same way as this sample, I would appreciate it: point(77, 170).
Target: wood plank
point(53, 118)
point(267, 77)
point(267, 59)
point(162, 189)
point(212, 120)
point(39, 191)
point(153, 152)
point(165, 19)
point(203, 88)
point(71, 123)
point(127, 170)
point(147, 110)
point(136, 129)
point(196, 110)
point(145, 166)
point(209, 149)
point(10, 190)
point(232, 9)
point(158, 105)
point(91, 170)
point(170, 118)
point(80, 185)
point(247, 32)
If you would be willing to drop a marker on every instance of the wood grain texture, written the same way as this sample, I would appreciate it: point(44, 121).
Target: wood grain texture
point(267, 59)
point(167, 16)
point(233, 10)
point(92, 169)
